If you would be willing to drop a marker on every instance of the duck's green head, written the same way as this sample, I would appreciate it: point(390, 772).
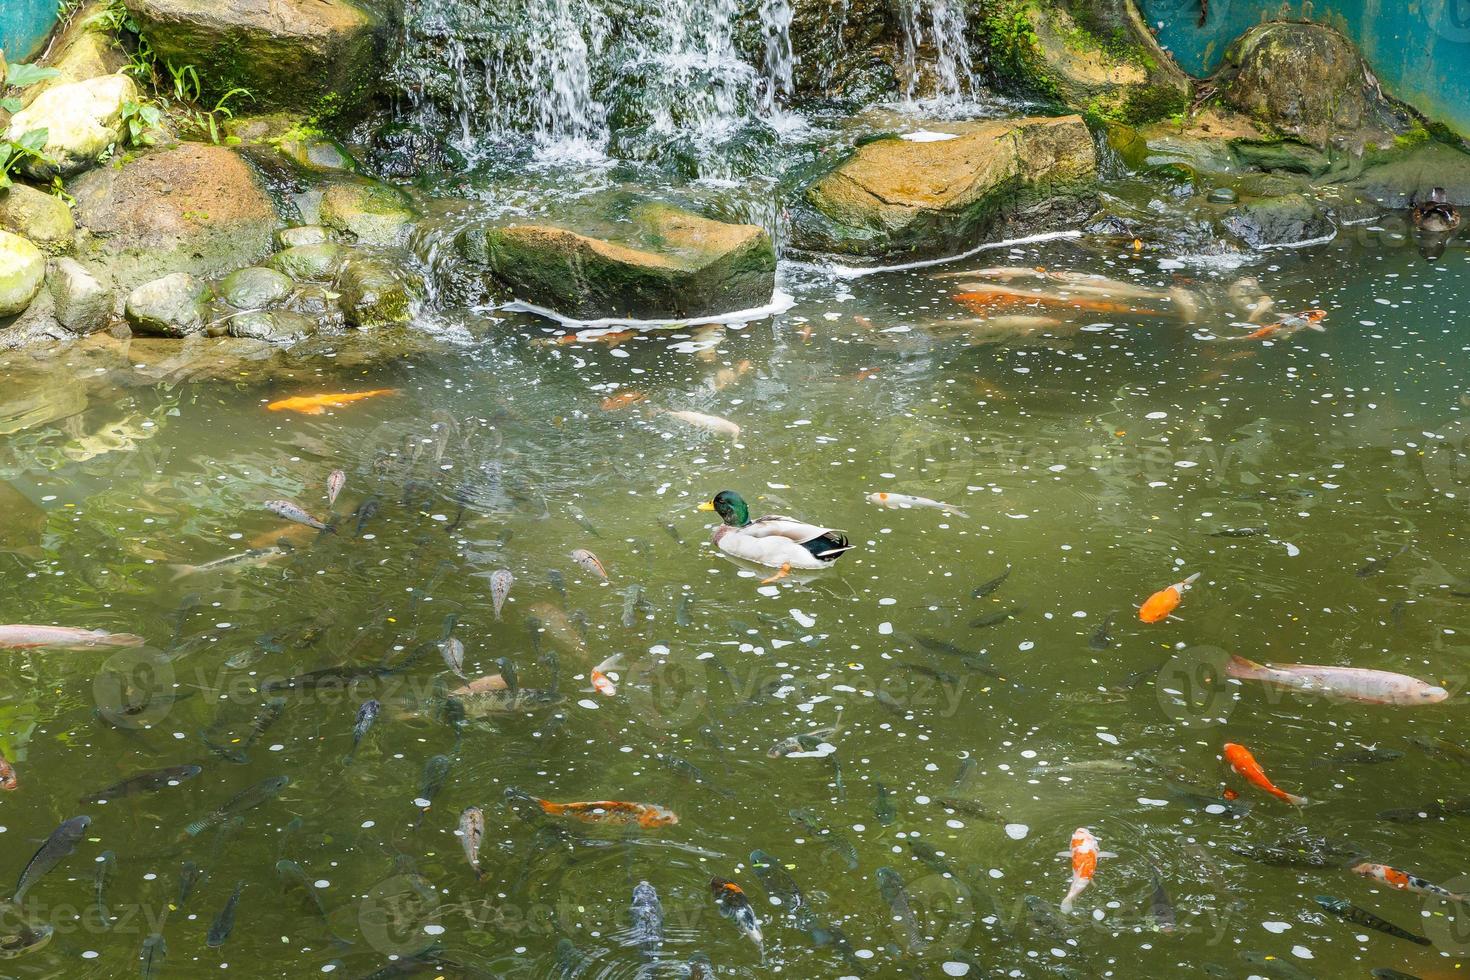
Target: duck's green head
point(731, 508)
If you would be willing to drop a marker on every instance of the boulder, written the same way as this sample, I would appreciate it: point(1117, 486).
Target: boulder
point(323, 57)
point(272, 326)
point(252, 288)
point(81, 119)
point(906, 198)
point(189, 208)
point(173, 306)
point(1309, 82)
point(373, 213)
point(1110, 67)
point(80, 302)
point(41, 217)
point(373, 294)
point(288, 143)
point(22, 271)
point(303, 235)
point(665, 263)
point(1278, 221)
point(320, 261)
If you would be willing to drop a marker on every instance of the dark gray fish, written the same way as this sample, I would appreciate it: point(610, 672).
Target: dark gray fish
point(779, 885)
point(673, 533)
point(985, 588)
point(827, 837)
point(293, 876)
point(508, 673)
point(366, 715)
point(55, 849)
point(364, 513)
point(700, 967)
point(269, 712)
point(436, 771)
point(1302, 851)
point(995, 618)
point(581, 519)
point(1376, 565)
point(970, 808)
point(534, 626)
point(570, 961)
point(190, 877)
point(1362, 917)
point(1237, 532)
point(1161, 908)
point(648, 920)
point(558, 582)
point(1385, 973)
point(1442, 747)
point(288, 837)
point(682, 611)
point(932, 858)
point(326, 677)
point(630, 604)
point(837, 782)
point(246, 799)
point(890, 703)
point(144, 782)
point(1274, 966)
point(106, 864)
point(892, 888)
point(691, 772)
point(224, 923)
point(883, 806)
point(1433, 810)
point(507, 702)
point(1368, 755)
point(1102, 637)
point(286, 510)
point(832, 935)
point(807, 741)
point(151, 956)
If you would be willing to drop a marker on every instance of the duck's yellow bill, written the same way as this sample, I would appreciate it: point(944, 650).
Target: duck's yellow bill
point(706, 506)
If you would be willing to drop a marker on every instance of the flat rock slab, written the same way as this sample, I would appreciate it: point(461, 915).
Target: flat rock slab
point(672, 264)
point(943, 189)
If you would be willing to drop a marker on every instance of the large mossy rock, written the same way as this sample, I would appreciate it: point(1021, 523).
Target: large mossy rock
point(190, 208)
point(1098, 59)
point(41, 217)
point(1309, 82)
point(372, 213)
point(84, 50)
point(323, 57)
point(81, 120)
point(664, 263)
point(844, 49)
point(22, 271)
point(904, 198)
point(1275, 222)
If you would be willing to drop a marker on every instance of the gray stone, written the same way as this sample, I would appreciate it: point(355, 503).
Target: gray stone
point(1222, 195)
point(309, 262)
point(81, 119)
point(43, 218)
point(22, 271)
point(1277, 221)
point(375, 214)
point(252, 288)
point(82, 304)
point(373, 293)
point(303, 235)
point(173, 306)
point(274, 326)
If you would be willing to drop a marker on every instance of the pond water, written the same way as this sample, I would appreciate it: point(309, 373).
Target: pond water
point(1316, 481)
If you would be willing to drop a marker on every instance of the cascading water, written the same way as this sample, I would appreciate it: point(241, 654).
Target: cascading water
point(940, 28)
point(780, 61)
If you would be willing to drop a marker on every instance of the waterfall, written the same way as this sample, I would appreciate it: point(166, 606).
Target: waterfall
point(940, 28)
point(780, 60)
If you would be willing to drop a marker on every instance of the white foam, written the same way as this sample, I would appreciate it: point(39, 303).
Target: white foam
point(858, 272)
point(780, 303)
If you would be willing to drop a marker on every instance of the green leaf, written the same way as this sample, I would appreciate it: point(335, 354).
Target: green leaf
point(34, 141)
point(11, 105)
point(21, 75)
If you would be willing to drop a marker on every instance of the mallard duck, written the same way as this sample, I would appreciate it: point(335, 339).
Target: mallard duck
point(1437, 213)
point(779, 542)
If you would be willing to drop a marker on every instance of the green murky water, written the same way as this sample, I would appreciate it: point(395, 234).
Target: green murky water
point(1096, 456)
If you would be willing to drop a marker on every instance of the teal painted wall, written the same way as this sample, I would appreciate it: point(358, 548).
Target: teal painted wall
point(23, 26)
point(1420, 49)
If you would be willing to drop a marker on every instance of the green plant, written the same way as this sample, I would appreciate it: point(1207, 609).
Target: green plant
point(139, 119)
point(113, 16)
point(57, 189)
point(15, 152)
point(187, 90)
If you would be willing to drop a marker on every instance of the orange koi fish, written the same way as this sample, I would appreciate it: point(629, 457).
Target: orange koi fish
point(622, 400)
point(612, 338)
point(317, 404)
point(645, 815)
point(8, 778)
point(1245, 764)
point(990, 300)
point(1084, 854)
point(1404, 881)
point(1308, 320)
point(604, 675)
point(1158, 606)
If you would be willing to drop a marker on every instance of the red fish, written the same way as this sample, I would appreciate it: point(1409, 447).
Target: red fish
point(1158, 606)
point(646, 815)
point(1243, 762)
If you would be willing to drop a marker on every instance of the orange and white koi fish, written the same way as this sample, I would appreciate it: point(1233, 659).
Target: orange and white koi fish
point(317, 404)
point(988, 300)
point(20, 637)
point(604, 811)
point(1404, 881)
point(1084, 855)
point(1245, 764)
point(590, 562)
point(622, 400)
point(1158, 606)
point(605, 677)
point(1307, 320)
point(904, 501)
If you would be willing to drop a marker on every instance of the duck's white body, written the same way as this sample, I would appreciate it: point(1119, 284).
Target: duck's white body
point(777, 541)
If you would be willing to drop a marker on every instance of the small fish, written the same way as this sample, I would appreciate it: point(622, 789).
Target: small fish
point(326, 677)
point(709, 423)
point(106, 864)
point(500, 582)
point(883, 808)
point(1306, 320)
point(55, 849)
point(832, 935)
point(1158, 606)
point(891, 887)
point(1404, 881)
point(507, 702)
point(452, 650)
point(246, 799)
point(995, 618)
point(243, 559)
point(700, 967)
point(781, 887)
point(1350, 683)
point(827, 837)
point(931, 858)
point(189, 878)
point(471, 833)
point(673, 532)
point(1161, 908)
point(20, 637)
point(1374, 566)
point(1442, 747)
point(151, 956)
point(1245, 764)
point(317, 404)
point(1237, 532)
point(1084, 854)
point(366, 715)
point(1102, 637)
point(365, 512)
point(269, 712)
point(622, 399)
point(805, 741)
point(1385, 973)
point(293, 875)
point(985, 588)
point(1436, 810)
point(630, 605)
point(286, 510)
point(733, 905)
point(605, 675)
point(508, 673)
point(589, 563)
point(648, 919)
point(558, 582)
point(336, 480)
point(904, 501)
point(616, 812)
point(1362, 917)
point(436, 771)
point(224, 923)
point(146, 782)
point(1274, 966)
point(1367, 755)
